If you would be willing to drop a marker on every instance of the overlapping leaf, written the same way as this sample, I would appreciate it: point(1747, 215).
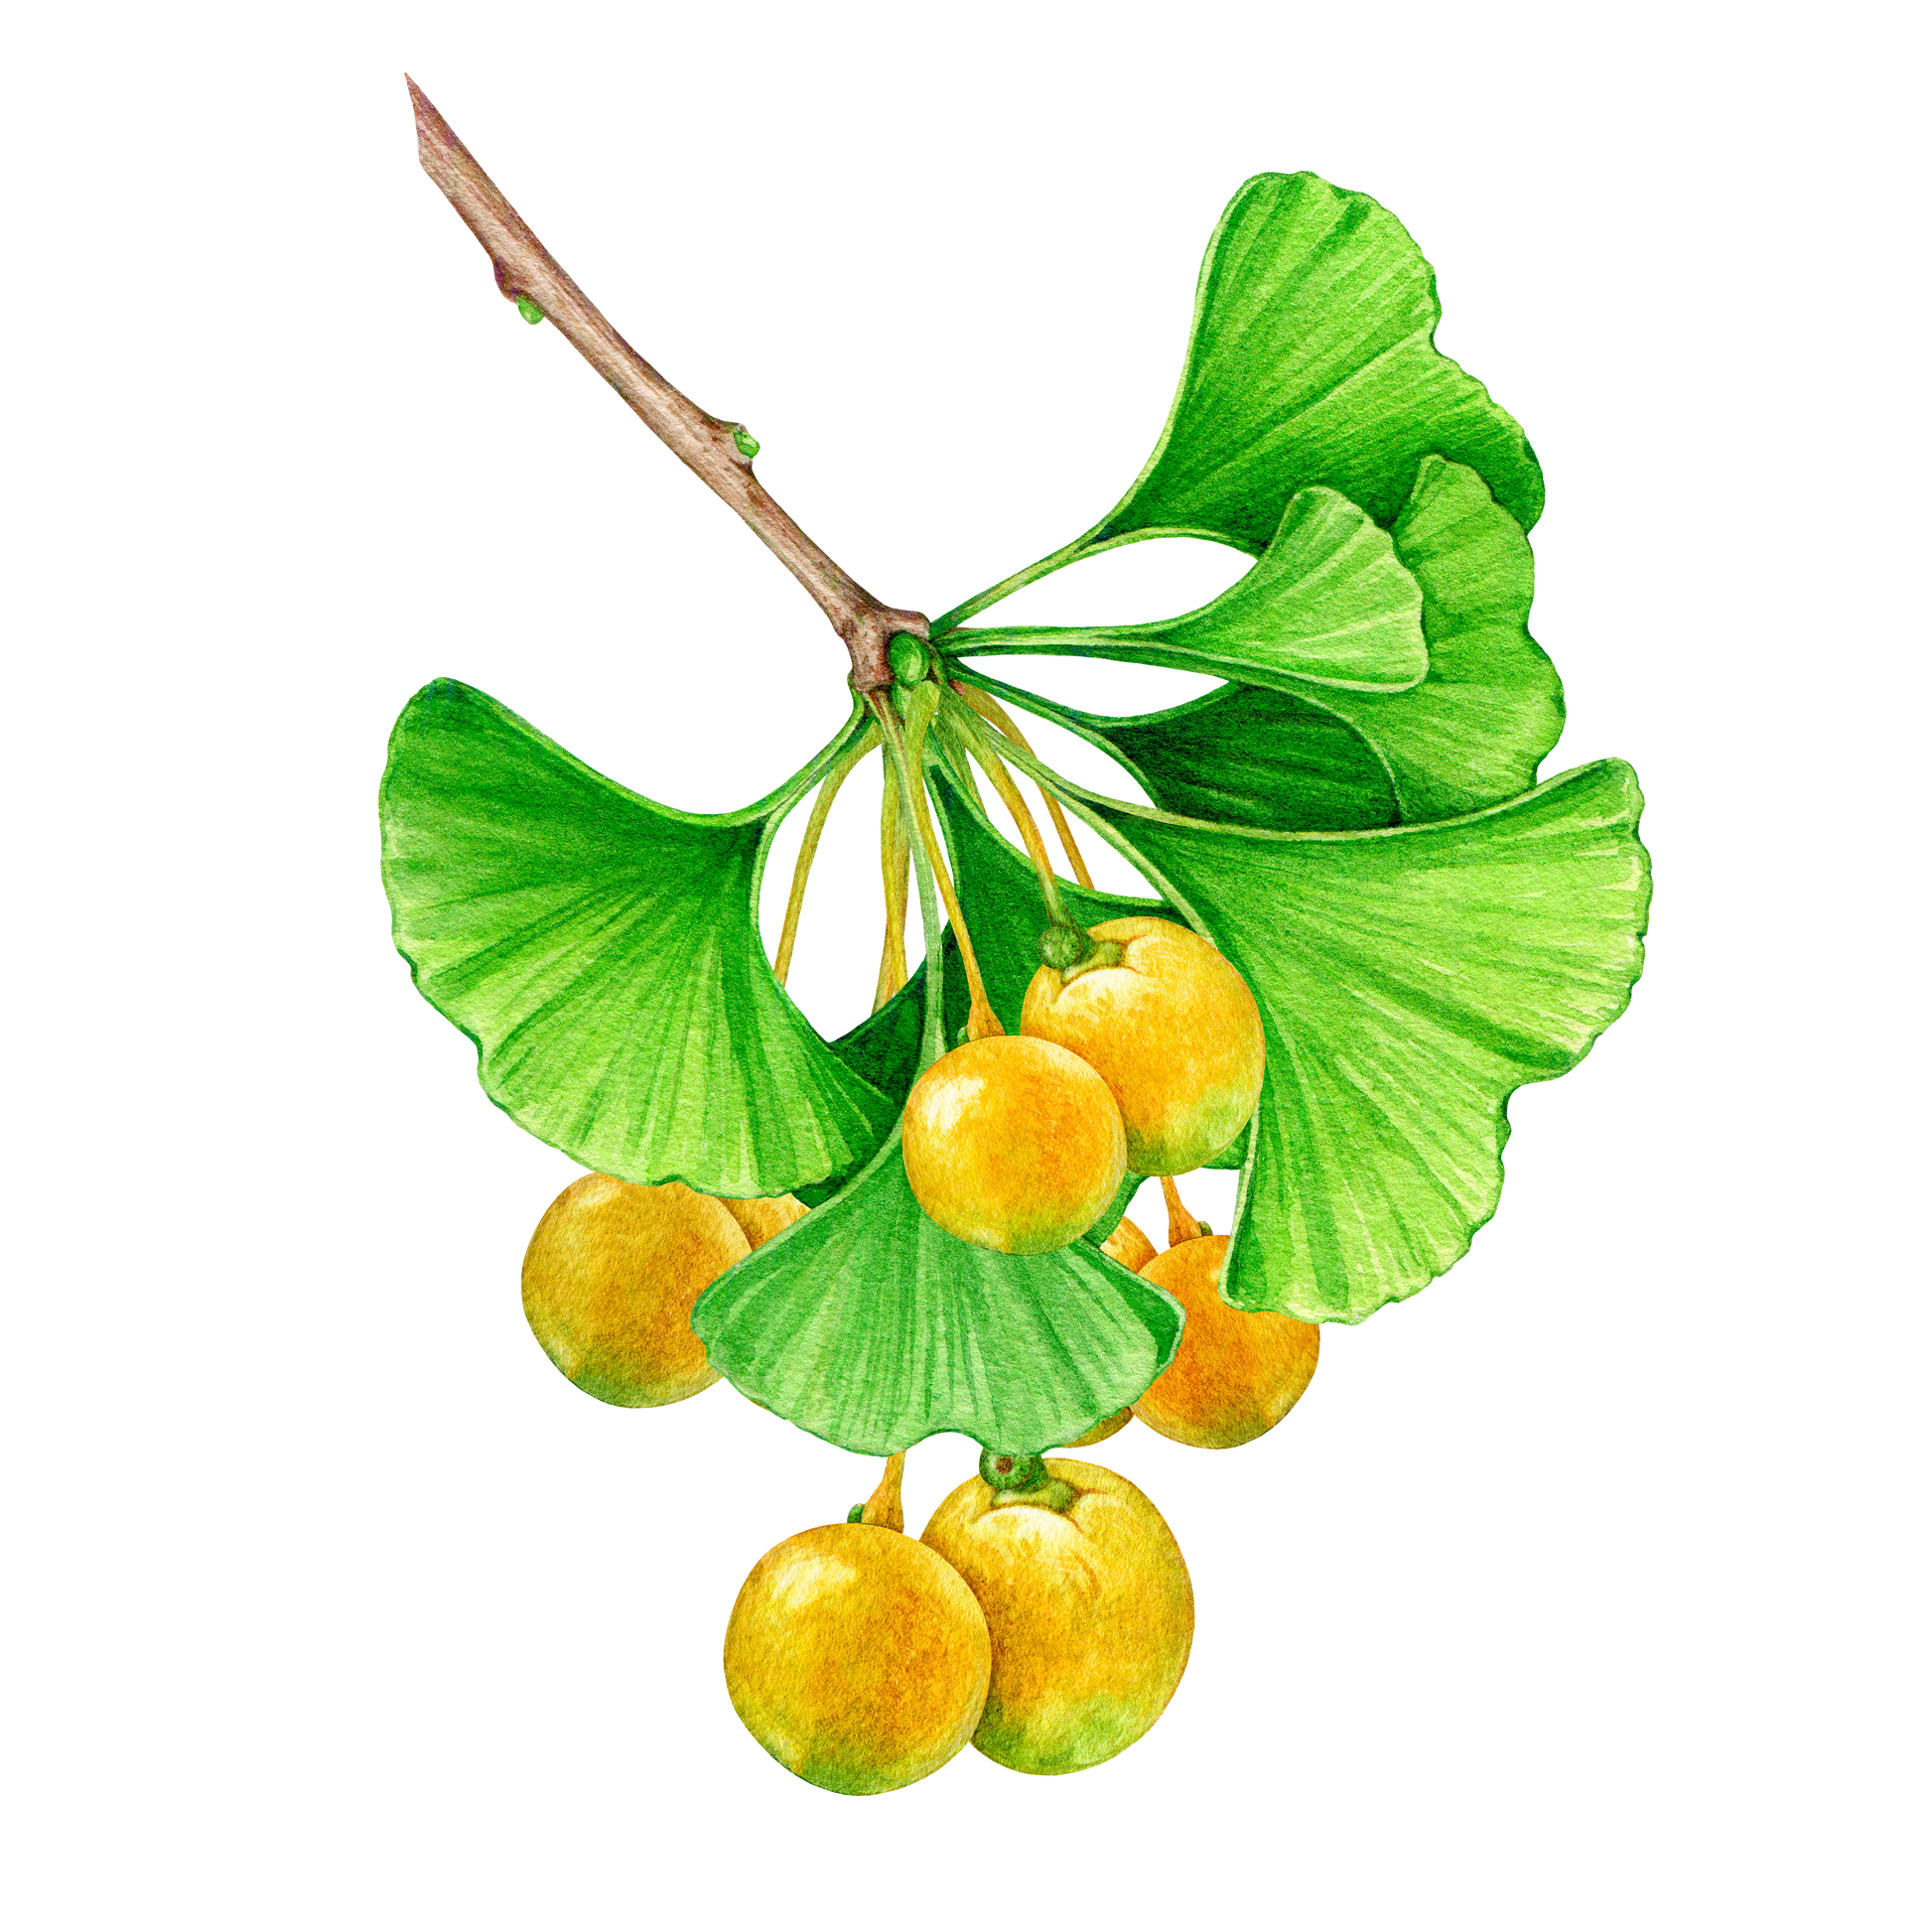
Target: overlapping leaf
point(1328, 603)
point(603, 952)
point(1470, 734)
point(1409, 981)
point(1241, 755)
point(873, 1327)
point(1313, 360)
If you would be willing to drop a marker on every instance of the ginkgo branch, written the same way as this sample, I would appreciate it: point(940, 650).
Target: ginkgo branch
point(720, 452)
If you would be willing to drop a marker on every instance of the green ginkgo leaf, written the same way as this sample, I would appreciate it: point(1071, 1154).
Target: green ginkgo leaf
point(1328, 603)
point(1471, 734)
point(1242, 754)
point(1408, 980)
point(1313, 360)
point(1474, 729)
point(603, 952)
point(872, 1326)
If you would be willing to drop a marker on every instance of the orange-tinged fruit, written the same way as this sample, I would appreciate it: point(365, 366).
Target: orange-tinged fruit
point(1089, 1606)
point(1012, 1144)
point(1102, 1430)
point(764, 1216)
point(1129, 1246)
point(1172, 1028)
point(1235, 1376)
point(609, 1280)
point(857, 1657)
point(761, 1217)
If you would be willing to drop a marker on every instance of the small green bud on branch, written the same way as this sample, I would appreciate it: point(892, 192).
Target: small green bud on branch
point(533, 279)
point(910, 658)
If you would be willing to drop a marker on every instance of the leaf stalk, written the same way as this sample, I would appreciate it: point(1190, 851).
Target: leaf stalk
point(801, 871)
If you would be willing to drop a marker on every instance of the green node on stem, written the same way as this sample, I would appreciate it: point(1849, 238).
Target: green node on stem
point(909, 658)
point(1023, 1480)
point(747, 445)
point(856, 1514)
point(528, 310)
point(1001, 1470)
point(1072, 951)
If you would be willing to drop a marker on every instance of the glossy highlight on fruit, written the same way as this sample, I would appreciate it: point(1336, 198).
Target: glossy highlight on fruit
point(1172, 1028)
point(1091, 1609)
point(1012, 1144)
point(609, 1280)
point(1235, 1376)
point(857, 1657)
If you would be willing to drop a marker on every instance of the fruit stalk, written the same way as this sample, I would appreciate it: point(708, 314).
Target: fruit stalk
point(894, 869)
point(904, 748)
point(1182, 1226)
point(884, 1506)
point(719, 452)
point(997, 715)
point(978, 741)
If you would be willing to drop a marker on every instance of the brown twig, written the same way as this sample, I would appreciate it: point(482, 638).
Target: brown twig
point(527, 272)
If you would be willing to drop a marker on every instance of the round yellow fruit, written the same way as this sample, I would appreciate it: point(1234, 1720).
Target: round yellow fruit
point(608, 1281)
point(764, 1216)
point(1012, 1144)
point(857, 1657)
point(1172, 1028)
point(1091, 1609)
point(1235, 1376)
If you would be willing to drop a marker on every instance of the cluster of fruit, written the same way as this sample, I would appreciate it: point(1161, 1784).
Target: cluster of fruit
point(1140, 1048)
point(1045, 1614)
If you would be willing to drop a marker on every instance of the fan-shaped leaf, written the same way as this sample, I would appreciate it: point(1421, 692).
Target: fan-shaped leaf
point(1242, 755)
point(871, 1326)
point(1474, 729)
point(1313, 360)
point(1469, 735)
point(1409, 981)
point(604, 954)
point(1328, 603)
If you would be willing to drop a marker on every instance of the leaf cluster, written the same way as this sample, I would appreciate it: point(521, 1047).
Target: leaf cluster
point(1352, 816)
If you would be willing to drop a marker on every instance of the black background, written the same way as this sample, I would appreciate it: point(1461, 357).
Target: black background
point(957, 346)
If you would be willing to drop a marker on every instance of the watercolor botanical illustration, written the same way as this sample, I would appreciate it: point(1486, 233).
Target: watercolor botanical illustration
point(1365, 923)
